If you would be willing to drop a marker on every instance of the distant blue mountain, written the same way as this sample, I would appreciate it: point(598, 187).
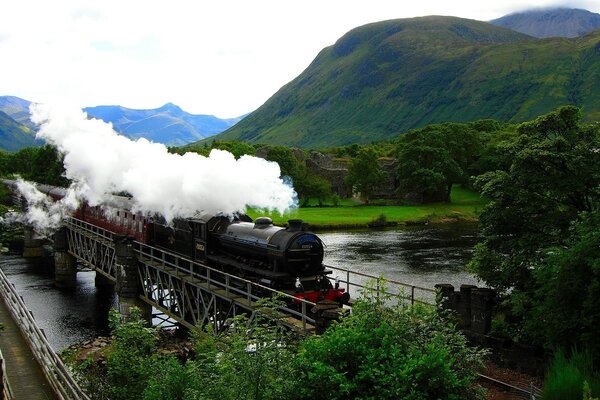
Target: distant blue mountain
point(168, 124)
point(551, 22)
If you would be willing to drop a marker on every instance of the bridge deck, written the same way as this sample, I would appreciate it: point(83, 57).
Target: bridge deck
point(25, 376)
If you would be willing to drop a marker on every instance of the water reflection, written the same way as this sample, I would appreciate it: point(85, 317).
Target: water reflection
point(419, 255)
point(67, 316)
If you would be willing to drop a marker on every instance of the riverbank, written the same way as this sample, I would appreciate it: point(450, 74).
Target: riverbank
point(465, 205)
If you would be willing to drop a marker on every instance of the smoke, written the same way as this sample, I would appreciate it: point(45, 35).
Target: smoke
point(100, 162)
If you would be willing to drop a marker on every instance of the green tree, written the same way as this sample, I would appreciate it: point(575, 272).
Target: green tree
point(130, 363)
point(426, 167)
point(364, 173)
point(388, 352)
point(553, 178)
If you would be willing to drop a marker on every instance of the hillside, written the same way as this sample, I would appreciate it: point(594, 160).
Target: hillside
point(15, 136)
point(381, 79)
point(168, 124)
point(558, 22)
point(17, 109)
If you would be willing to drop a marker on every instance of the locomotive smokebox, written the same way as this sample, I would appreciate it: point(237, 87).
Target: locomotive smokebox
point(294, 225)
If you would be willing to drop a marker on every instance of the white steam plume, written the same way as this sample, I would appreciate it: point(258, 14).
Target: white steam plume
point(101, 162)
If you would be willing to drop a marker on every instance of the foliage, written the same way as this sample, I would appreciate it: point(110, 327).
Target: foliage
point(552, 183)
point(567, 311)
point(426, 167)
point(130, 364)
point(388, 352)
point(306, 185)
point(364, 173)
point(39, 164)
point(567, 378)
point(235, 147)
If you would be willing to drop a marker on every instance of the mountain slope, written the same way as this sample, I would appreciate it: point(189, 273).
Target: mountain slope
point(558, 22)
point(15, 136)
point(17, 109)
point(382, 79)
point(168, 124)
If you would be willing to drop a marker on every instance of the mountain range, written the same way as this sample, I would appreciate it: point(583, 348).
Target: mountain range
point(384, 78)
point(168, 124)
point(556, 22)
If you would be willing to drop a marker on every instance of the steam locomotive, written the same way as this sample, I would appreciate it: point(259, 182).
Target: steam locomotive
point(285, 259)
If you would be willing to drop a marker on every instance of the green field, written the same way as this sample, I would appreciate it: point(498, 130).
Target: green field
point(465, 206)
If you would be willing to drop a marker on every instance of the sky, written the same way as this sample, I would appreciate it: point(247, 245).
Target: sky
point(219, 57)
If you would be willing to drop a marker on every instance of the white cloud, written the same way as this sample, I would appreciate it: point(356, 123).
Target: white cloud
point(224, 58)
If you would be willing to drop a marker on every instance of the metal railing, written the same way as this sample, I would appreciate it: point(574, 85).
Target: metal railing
point(5, 392)
point(356, 281)
point(58, 375)
point(225, 285)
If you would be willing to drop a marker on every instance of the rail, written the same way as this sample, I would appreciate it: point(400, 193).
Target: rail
point(514, 392)
point(359, 281)
point(57, 374)
point(5, 392)
point(231, 286)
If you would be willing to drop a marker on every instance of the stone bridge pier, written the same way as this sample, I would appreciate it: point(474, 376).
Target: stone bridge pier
point(33, 245)
point(128, 286)
point(65, 268)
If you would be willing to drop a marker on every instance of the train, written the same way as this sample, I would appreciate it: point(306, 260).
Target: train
point(287, 259)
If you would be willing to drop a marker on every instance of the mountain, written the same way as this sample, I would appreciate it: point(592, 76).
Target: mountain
point(15, 136)
point(556, 22)
point(17, 109)
point(168, 124)
point(382, 79)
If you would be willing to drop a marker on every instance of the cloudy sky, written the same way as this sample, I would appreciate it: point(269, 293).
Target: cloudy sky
point(220, 57)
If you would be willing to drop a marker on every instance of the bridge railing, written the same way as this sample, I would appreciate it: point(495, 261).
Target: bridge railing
point(5, 392)
point(232, 286)
point(356, 282)
point(57, 374)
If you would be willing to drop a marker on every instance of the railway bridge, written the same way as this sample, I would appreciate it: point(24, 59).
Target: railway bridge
point(184, 290)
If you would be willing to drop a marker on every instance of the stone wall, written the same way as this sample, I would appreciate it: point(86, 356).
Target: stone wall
point(473, 307)
point(334, 170)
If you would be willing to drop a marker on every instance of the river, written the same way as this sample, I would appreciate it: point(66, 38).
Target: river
point(419, 255)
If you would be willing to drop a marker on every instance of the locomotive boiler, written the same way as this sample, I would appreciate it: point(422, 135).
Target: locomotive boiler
point(287, 259)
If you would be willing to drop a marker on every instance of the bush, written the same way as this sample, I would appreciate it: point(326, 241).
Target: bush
point(567, 378)
point(388, 352)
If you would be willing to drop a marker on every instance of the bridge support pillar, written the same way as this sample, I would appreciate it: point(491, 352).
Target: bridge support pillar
point(128, 286)
point(65, 269)
point(32, 244)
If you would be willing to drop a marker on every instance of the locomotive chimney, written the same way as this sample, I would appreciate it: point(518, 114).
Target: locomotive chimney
point(294, 225)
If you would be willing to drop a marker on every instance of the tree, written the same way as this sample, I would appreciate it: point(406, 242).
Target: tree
point(364, 173)
point(388, 352)
point(426, 167)
point(553, 179)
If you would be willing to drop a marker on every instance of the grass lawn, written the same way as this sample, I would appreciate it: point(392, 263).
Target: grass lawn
point(465, 205)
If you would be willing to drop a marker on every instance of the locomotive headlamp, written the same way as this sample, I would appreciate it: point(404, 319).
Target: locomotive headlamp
point(337, 282)
point(298, 285)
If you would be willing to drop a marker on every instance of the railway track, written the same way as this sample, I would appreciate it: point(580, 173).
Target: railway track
point(512, 391)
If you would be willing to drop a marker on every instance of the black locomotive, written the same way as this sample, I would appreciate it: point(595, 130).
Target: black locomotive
point(285, 259)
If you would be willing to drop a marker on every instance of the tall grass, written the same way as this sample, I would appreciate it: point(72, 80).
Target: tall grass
point(566, 377)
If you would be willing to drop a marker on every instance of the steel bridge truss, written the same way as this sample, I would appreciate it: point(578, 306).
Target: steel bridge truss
point(92, 246)
point(191, 293)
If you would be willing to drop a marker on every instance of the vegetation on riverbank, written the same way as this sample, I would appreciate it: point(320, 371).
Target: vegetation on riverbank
point(379, 351)
point(465, 205)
